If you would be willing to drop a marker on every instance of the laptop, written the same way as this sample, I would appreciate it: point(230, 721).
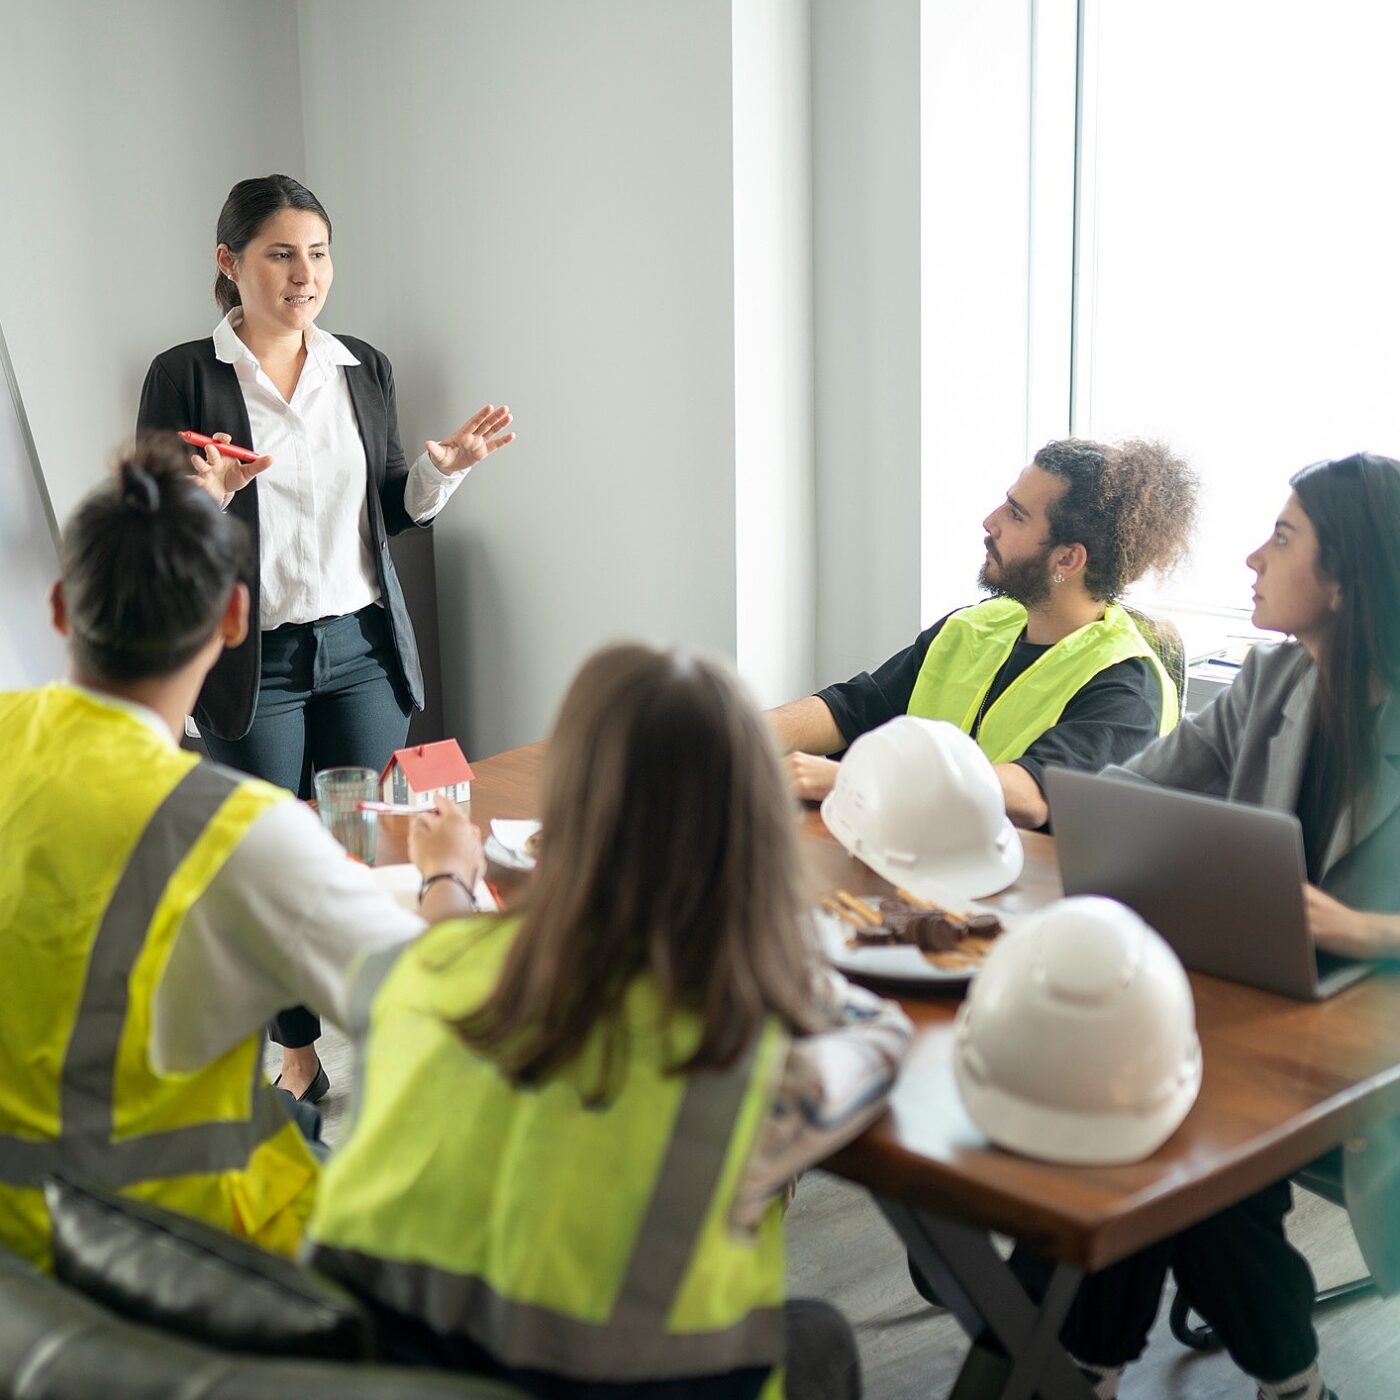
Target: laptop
point(1222, 882)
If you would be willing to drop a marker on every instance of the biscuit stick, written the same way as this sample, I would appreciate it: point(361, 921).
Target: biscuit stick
point(950, 960)
point(867, 912)
point(909, 897)
point(831, 906)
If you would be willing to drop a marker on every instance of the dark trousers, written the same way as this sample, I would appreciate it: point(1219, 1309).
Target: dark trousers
point(1239, 1272)
point(330, 693)
point(822, 1362)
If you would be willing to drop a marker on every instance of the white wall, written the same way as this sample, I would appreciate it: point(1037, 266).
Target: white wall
point(123, 128)
point(606, 213)
point(865, 184)
point(534, 203)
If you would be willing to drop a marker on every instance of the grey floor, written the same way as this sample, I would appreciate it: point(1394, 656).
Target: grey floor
point(841, 1249)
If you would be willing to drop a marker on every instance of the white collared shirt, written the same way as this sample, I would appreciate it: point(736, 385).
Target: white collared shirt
point(315, 555)
point(284, 921)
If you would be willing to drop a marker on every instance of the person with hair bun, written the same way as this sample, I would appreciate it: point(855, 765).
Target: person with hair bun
point(138, 878)
point(329, 672)
point(1050, 669)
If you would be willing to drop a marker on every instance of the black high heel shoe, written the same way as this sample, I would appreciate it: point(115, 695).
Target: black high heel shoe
point(314, 1092)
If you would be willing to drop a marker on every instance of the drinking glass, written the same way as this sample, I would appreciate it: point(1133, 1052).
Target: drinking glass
point(338, 791)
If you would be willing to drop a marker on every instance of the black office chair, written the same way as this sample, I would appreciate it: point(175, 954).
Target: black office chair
point(1323, 1178)
point(1165, 639)
point(144, 1303)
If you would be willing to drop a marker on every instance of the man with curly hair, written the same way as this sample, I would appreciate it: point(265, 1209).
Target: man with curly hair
point(1050, 669)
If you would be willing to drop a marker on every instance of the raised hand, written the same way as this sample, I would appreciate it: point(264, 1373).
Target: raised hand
point(475, 440)
point(221, 476)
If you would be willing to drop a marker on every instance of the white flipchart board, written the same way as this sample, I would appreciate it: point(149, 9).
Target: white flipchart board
point(31, 653)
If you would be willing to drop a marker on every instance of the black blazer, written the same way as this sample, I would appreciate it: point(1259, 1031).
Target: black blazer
point(188, 387)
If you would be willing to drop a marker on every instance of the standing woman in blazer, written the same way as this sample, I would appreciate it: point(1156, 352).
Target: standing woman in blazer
point(1310, 726)
point(330, 672)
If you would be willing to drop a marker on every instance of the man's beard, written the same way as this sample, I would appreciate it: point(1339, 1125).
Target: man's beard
point(1026, 582)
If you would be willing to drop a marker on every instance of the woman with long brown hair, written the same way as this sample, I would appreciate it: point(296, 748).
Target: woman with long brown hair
point(576, 1123)
point(1311, 726)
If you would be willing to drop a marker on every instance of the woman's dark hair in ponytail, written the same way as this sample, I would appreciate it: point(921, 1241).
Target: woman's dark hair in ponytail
point(148, 561)
point(1354, 506)
point(250, 204)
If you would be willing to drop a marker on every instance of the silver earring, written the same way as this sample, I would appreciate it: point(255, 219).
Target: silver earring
point(1057, 577)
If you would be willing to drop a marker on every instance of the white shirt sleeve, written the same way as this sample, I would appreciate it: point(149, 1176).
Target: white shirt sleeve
point(280, 925)
point(427, 490)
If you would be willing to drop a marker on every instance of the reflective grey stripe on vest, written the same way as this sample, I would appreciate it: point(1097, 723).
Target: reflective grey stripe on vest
point(369, 978)
point(87, 1089)
point(633, 1344)
point(364, 987)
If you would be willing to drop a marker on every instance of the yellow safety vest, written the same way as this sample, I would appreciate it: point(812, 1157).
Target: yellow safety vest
point(591, 1243)
point(973, 645)
point(108, 835)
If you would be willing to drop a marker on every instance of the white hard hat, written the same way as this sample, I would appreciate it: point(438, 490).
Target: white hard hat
point(1077, 1041)
point(920, 803)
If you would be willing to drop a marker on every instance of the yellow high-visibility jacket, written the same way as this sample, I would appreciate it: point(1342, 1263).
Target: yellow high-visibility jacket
point(107, 837)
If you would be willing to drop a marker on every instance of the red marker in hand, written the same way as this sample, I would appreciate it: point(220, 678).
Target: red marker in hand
point(227, 449)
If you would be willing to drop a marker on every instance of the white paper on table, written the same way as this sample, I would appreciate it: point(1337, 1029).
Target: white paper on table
point(404, 882)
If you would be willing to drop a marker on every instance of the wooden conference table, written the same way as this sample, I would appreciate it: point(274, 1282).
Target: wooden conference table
point(1284, 1082)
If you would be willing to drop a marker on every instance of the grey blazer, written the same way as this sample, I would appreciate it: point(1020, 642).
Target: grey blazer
point(1251, 746)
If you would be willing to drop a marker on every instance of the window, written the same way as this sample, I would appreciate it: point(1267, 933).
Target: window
point(1169, 218)
point(1238, 279)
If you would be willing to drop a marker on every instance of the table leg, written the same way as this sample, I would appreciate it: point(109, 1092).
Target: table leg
point(979, 1288)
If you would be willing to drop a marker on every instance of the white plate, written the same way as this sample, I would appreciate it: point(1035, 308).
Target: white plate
point(508, 859)
point(898, 962)
point(506, 844)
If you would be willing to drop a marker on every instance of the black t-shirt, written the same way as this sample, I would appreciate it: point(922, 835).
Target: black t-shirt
point(1113, 717)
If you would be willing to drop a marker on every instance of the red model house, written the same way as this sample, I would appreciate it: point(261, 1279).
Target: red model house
point(416, 776)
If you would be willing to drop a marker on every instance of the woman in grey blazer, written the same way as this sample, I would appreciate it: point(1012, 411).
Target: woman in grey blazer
point(1310, 726)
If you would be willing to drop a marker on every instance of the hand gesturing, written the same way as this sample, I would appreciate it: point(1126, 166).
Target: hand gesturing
point(221, 476)
point(474, 440)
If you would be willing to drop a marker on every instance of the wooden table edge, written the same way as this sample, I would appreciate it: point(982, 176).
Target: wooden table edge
point(1088, 1238)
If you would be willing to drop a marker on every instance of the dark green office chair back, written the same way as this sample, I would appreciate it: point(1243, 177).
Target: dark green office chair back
point(1164, 638)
